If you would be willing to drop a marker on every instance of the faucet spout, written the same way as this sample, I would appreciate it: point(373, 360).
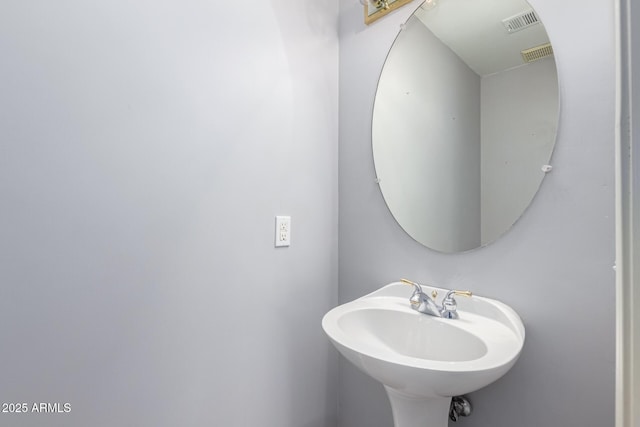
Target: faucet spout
point(422, 302)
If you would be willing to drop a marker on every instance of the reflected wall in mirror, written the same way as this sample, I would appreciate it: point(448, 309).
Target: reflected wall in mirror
point(464, 119)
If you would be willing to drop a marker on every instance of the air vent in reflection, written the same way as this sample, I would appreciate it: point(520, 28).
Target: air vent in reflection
point(520, 21)
point(538, 52)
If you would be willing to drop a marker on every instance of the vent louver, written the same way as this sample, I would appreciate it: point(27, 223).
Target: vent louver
point(520, 21)
point(538, 52)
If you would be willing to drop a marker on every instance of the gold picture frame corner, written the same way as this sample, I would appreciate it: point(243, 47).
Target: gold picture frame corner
point(369, 19)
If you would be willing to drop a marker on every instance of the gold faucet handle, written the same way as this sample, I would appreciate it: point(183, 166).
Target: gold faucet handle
point(408, 282)
point(463, 293)
point(434, 293)
point(415, 298)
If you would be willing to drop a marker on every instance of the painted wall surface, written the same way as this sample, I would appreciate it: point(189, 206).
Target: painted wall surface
point(145, 149)
point(628, 203)
point(554, 267)
point(634, 16)
point(519, 125)
point(427, 140)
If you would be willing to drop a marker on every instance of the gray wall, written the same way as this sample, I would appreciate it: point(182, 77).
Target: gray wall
point(634, 16)
point(635, 161)
point(145, 148)
point(554, 267)
point(629, 219)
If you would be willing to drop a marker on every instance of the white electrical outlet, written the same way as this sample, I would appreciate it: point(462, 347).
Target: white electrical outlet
point(283, 231)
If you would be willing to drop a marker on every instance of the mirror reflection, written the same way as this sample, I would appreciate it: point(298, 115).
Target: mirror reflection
point(464, 120)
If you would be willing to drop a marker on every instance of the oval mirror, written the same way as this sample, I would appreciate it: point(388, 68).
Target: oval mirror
point(464, 120)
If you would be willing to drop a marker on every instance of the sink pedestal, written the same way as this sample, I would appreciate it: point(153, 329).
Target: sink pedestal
point(414, 411)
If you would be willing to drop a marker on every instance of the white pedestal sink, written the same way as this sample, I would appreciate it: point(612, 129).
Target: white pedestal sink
point(424, 360)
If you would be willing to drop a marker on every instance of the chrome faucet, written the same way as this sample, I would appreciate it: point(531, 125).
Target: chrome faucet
point(426, 304)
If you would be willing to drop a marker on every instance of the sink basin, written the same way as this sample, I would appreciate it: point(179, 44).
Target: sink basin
point(424, 360)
